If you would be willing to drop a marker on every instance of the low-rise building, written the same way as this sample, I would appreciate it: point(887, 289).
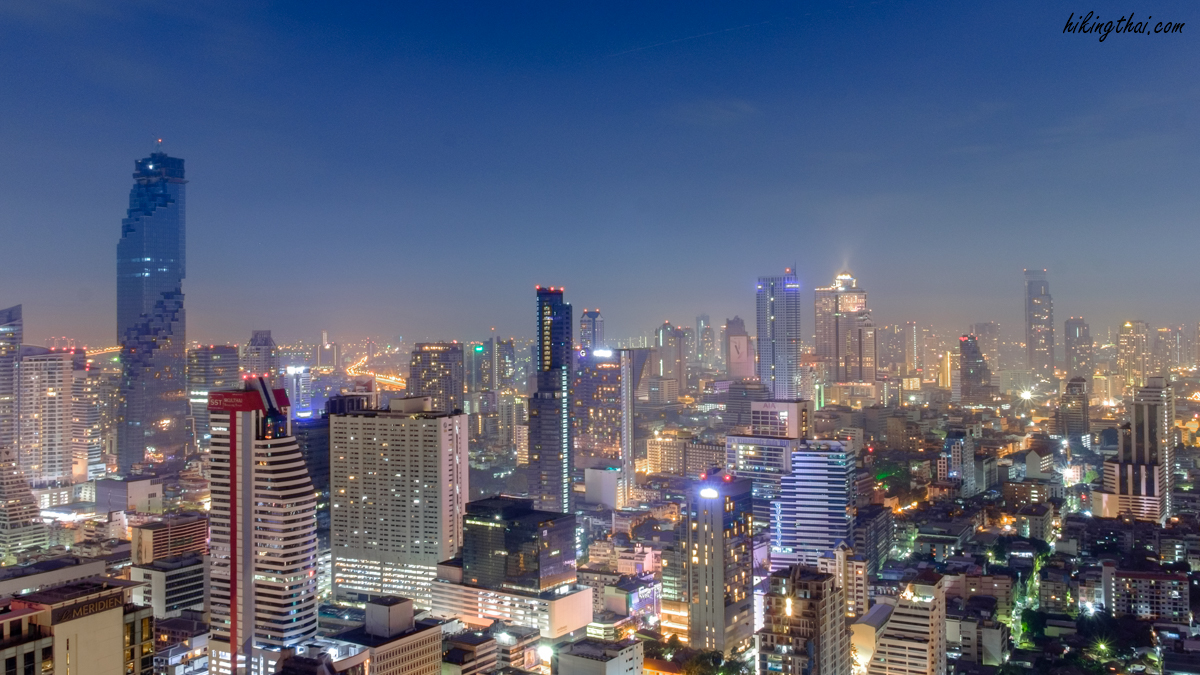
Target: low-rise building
point(598, 657)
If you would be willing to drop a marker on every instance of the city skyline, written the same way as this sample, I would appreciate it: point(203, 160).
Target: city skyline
point(682, 155)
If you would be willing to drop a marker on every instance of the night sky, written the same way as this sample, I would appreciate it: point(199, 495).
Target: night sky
point(380, 170)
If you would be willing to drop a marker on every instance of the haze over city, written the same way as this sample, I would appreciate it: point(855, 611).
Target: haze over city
point(415, 171)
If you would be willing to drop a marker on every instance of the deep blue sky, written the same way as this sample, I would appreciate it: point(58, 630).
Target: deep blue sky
point(388, 170)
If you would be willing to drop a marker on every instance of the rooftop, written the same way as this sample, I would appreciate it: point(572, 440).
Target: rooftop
point(597, 650)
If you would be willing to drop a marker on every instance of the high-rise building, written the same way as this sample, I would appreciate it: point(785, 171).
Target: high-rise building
point(88, 401)
point(780, 342)
point(1077, 338)
point(508, 544)
point(837, 314)
point(633, 368)
point(21, 527)
point(1138, 481)
point(210, 368)
point(260, 357)
point(591, 329)
point(764, 455)
point(705, 341)
point(150, 314)
point(329, 354)
point(46, 389)
point(859, 363)
point(297, 381)
point(551, 459)
point(399, 487)
point(718, 563)
point(596, 403)
point(804, 627)
point(814, 509)
point(735, 345)
point(975, 378)
point(436, 370)
point(1039, 325)
point(913, 642)
point(669, 360)
point(987, 335)
point(1073, 417)
point(1134, 358)
point(263, 547)
point(1168, 349)
point(11, 334)
point(959, 451)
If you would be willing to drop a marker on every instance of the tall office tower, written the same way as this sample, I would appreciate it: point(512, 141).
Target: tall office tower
point(804, 627)
point(1168, 350)
point(859, 362)
point(591, 329)
point(21, 527)
point(596, 403)
point(764, 455)
point(777, 302)
point(508, 544)
point(210, 368)
point(87, 424)
point(669, 355)
point(690, 346)
point(912, 348)
point(329, 354)
point(987, 335)
point(717, 524)
point(914, 640)
point(150, 315)
point(1142, 475)
point(813, 511)
point(385, 545)
point(260, 357)
point(263, 543)
point(704, 340)
point(1134, 361)
point(1073, 422)
point(477, 366)
point(11, 334)
point(975, 378)
point(504, 356)
point(46, 454)
point(1039, 325)
point(739, 361)
point(959, 449)
point(297, 381)
point(550, 448)
point(837, 309)
point(1077, 338)
point(634, 364)
point(436, 370)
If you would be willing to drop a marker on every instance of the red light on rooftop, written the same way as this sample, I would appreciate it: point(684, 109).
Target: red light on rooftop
point(728, 478)
point(703, 476)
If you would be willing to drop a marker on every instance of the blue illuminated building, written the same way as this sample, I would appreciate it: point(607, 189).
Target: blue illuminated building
point(150, 315)
point(550, 447)
point(812, 513)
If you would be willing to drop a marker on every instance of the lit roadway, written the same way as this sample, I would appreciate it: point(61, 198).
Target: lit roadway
point(357, 369)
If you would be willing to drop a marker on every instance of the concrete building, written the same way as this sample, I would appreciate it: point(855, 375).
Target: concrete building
point(813, 511)
point(804, 627)
point(171, 585)
point(393, 642)
point(718, 565)
point(850, 575)
point(385, 545)
point(914, 640)
point(436, 370)
point(777, 303)
point(1138, 481)
point(264, 532)
point(556, 613)
point(598, 657)
point(210, 368)
point(469, 653)
point(172, 536)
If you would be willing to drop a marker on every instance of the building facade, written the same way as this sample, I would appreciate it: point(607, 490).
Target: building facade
point(777, 302)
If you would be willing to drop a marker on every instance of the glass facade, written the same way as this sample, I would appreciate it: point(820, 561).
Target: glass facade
point(150, 314)
point(507, 544)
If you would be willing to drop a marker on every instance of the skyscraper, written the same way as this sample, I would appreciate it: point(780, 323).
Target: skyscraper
point(1039, 325)
point(551, 459)
point(399, 487)
point(738, 357)
point(46, 452)
point(717, 524)
point(1073, 418)
point(21, 527)
point(1134, 361)
point(669, 360)
point(150, 314)
point(913, 642)
point(1077, 338)
point(436, 370)
point(591, 329)
point(596, 403)
point(508, 544)
point(210, 368)
point(764, 454)
point(1138, 481)
point(633, 368)
point(263, 546)
point(260, 357)
point(987, 334)
point(813, 511)
point(804, 628)
point(860, 361)
point(975, 378)
point(705, 341)
point(11, 334)
point(838, 311)
point(777, 302)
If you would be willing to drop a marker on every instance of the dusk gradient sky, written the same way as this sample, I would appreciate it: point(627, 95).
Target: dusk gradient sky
point(383, 169)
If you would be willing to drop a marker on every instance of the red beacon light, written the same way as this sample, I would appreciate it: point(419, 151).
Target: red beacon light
point(703, 476)
point(728, 478)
